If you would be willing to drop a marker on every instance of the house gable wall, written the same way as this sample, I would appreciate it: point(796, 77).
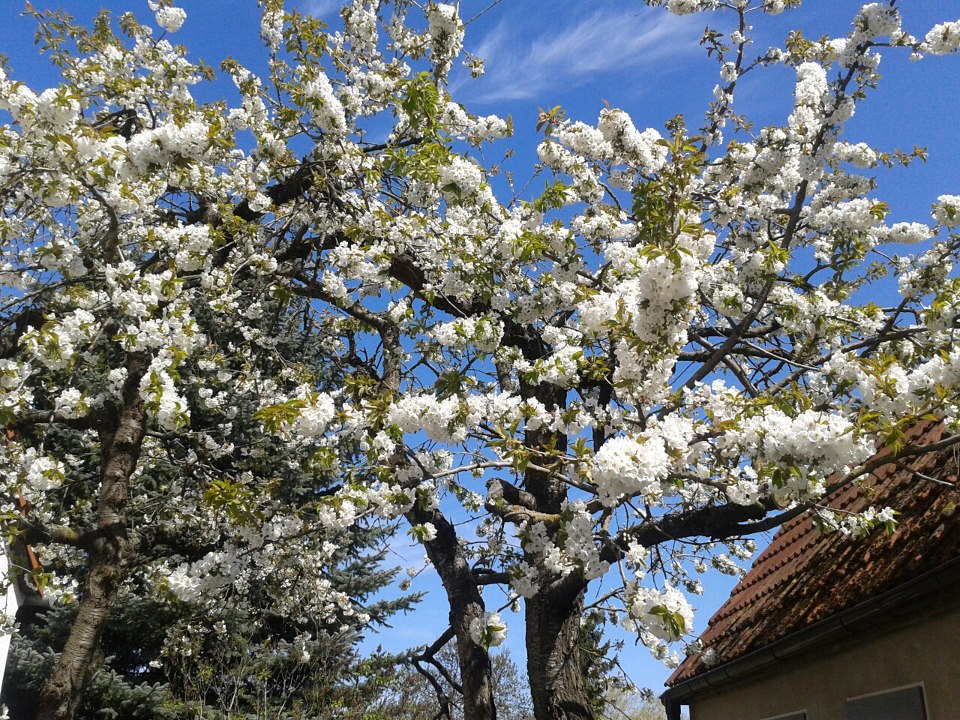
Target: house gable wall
point(820, 682)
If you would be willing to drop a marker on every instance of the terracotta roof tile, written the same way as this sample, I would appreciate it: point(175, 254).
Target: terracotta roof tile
point(805, 575)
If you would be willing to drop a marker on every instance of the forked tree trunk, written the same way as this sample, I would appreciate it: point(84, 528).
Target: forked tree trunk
point(110, 552)
point(554, 665)
point(466, 604)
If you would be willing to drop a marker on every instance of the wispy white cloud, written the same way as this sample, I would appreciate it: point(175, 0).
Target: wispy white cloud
point(525, 62)
point(324, 9)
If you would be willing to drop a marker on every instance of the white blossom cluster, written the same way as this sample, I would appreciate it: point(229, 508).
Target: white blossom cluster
point(659, 617)
point(685, 7)
point(424, 412)
point(811, 440)
point(484, 334)
point(34, 472)
point(168, 17)
point(946, 211)
point(630, 467)
point(857, 525)
point(462, 177)
point(488, 630)
point(942, 38)
point(446, 35)
point(329, 113)
point(679, 323)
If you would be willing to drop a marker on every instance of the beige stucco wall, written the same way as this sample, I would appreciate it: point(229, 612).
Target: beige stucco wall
point(927, 651)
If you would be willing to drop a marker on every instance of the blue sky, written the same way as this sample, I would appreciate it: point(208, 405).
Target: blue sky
point(580, 54)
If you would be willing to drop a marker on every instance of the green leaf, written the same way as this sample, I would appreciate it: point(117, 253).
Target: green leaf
point(281, 416)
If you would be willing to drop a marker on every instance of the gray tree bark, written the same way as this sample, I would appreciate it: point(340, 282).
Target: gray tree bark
point(466, 604)
point(554, 665)
point(110, 552)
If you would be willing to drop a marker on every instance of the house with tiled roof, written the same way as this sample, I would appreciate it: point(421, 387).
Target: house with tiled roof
point(826, 626)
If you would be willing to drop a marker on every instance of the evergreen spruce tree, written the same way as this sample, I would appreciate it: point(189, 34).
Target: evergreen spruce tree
point(254, 655)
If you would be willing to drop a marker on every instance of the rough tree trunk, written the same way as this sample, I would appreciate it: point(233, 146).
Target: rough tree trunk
point(554, 665)
point(110, 552)
point(476, 672)
point(466, 603)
